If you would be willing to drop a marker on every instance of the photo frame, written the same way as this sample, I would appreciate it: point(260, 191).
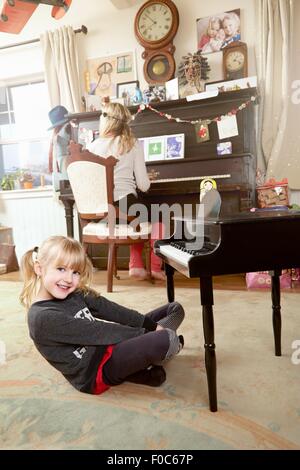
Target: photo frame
point(126, 90)
point(218, 31)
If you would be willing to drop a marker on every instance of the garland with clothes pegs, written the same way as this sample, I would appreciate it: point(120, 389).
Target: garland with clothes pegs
point(202, 129)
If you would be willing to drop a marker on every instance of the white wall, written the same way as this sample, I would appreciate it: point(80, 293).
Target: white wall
point(111, 30)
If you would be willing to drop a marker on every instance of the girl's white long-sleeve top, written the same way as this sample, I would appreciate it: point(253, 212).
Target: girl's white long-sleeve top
point(130, 171)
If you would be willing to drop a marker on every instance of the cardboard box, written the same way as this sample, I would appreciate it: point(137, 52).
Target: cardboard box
point(6, 235)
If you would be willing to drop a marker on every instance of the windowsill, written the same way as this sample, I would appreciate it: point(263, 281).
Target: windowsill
point(40, 191)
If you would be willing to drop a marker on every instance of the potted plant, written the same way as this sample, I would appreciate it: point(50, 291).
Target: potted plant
point(7, 183)
point(26, 179)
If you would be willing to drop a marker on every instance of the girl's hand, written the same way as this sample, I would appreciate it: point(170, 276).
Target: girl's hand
point(159, 327)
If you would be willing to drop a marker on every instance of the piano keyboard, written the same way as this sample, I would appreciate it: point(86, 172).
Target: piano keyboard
point(178, 252)
point(176, 255)
point(189, 178)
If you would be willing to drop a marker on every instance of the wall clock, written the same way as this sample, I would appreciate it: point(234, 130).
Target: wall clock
point(235, 61)
point(155, 26)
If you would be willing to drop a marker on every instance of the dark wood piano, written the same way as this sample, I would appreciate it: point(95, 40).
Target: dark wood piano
point(259, 241)
point(178, 181)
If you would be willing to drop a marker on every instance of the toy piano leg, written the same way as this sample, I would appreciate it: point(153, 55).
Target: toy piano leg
point(207, 301)
point(170, 282)
point(275, 276)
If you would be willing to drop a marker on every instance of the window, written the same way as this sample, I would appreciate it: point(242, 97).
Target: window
point(24, 141)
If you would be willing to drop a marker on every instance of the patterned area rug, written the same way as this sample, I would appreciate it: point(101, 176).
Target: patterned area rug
point(258, 393)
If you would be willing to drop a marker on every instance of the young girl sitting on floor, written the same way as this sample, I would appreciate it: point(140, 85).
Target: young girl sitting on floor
point(65, 320)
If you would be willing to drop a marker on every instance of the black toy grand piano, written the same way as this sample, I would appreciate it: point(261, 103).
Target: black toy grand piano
point(246, 242)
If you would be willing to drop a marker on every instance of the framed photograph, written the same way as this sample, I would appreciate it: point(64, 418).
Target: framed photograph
point(154, 148)
point(216, 32)
point(126, 90)
point(174, 146)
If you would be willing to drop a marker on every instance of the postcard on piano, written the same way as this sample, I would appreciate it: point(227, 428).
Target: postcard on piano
point(154, 148)
point(174, 146)
point(227, 127)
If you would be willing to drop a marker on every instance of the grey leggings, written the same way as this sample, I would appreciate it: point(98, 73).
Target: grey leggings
point(138, 353)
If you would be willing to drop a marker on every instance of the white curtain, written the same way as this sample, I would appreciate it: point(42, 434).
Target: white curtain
point(278, 66)
point(61, 67)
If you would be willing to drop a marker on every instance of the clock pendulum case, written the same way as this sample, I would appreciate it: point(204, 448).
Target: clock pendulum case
point(155, 26)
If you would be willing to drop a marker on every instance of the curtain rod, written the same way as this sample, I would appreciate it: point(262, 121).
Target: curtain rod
point(83, 30)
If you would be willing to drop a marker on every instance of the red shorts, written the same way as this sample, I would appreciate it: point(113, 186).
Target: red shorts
point(100, 386)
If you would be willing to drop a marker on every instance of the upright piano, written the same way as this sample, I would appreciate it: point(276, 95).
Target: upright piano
point(178, 180)
point(245, 242)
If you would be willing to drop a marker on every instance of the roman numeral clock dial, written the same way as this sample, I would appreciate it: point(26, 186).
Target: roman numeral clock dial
point(155, 26)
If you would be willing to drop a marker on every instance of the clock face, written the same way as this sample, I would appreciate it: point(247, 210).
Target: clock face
point(155, 22)
point(235, 61)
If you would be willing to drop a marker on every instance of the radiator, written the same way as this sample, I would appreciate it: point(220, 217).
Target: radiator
point(33, 215)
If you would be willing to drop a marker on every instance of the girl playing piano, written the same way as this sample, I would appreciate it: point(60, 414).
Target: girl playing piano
point(130, 174)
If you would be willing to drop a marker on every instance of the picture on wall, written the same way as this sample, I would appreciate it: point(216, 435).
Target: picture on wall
point(104, 73)
point(127, 91)
point(216, 32)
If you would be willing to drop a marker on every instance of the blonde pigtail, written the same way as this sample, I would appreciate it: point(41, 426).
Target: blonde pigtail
point(31, 280)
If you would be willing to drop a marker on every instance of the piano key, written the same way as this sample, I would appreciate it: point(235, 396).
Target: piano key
point(190, 178)
point(180, 256)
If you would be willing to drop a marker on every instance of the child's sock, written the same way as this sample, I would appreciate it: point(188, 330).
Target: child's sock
point(153, 376)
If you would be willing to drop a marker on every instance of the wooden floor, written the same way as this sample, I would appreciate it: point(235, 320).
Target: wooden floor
point(229, 282)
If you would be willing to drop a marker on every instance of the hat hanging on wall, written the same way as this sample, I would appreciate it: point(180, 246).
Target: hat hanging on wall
point(58, 116)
